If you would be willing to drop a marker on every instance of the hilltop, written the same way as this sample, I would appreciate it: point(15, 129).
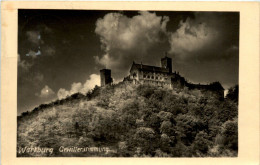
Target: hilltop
point(135, 120)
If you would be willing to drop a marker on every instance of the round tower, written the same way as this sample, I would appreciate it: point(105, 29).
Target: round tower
point(105, 77)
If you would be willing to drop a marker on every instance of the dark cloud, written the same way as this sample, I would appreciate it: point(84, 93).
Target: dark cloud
point(48, 50)
point(23, 64)
point(34, 37)
point(206, 36)
point(206, 48)
point(33, 54)
point(39, 41)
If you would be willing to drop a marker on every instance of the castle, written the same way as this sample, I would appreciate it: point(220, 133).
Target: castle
point(161, 77)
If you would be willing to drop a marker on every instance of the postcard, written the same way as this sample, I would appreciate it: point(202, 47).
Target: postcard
point(150, 82)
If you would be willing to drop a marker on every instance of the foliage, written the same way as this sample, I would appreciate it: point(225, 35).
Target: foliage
point(135, 120)
point(233, 93)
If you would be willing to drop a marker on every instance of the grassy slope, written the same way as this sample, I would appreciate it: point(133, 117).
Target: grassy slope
point(134, 121)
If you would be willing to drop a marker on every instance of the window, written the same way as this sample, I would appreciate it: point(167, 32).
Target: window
point(148, 76)
point(152, 77)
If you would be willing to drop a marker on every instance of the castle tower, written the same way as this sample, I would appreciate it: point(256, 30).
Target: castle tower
point(105, 77)
point(166, 62)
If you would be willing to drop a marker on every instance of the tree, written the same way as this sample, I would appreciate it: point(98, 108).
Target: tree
point(144, 138)
point(233, 93)
point(186, 128)
point(230, 135)
point(201, 143)
point(167, 128)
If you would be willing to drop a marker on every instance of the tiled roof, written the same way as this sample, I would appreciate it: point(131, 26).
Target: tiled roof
point(150, 68)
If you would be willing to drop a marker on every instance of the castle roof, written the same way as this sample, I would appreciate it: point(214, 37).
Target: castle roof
point(149, 68)
point(211, 86)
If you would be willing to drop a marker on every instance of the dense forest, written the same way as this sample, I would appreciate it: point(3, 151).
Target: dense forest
point(135, 121)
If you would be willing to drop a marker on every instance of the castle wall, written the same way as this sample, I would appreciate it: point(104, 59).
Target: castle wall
point(135, 74)
point(164, 77)
point(151, 78)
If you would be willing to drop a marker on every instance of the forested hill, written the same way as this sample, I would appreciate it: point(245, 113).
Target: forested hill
point(134, 120)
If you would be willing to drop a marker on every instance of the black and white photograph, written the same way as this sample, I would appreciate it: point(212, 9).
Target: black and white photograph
point(127, 83)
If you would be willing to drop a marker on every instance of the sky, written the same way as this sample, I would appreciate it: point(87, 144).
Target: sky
point(60, 52)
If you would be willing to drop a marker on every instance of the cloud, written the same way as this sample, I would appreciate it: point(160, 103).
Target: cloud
point(206, 36)
point(25, 74)
point(230, 51)
point(225, 92)
point(93, 80)
point(62, 93)
point(34, 37)
point(25, 65)
point(48, 50)
point(37, 44)
point(45, 92)
point(191, 36)
point(33, 54)
point(76, 87)
point(126, 39)
point(38, 77)
point(32, 78)
point(204, 47)
point(44, 28)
